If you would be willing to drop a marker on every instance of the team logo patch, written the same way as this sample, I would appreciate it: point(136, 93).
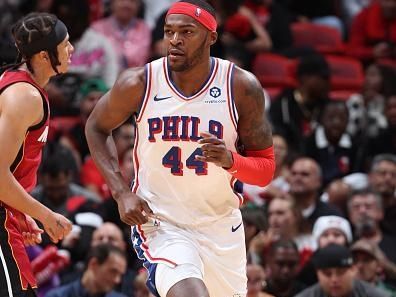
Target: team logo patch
point(198, 12)
point(215, 92)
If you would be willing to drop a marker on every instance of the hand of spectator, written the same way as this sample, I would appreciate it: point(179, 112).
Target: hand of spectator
point(57, 226)
point(214, 150)
point(261, 241)
point(133, 209)
point(381, 50)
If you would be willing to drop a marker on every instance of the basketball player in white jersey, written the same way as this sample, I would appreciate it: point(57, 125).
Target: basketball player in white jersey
point(191, 111)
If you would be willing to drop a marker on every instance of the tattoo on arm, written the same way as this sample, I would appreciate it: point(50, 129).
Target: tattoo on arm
point(253, 128)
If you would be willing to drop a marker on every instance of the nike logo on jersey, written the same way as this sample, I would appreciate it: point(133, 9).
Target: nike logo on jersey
point(44, 135)
point(233, 229)
point(161, 98)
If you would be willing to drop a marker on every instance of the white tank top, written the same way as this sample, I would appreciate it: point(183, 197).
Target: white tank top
point(177, 187)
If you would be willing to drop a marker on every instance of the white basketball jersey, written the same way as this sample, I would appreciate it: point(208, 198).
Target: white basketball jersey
point(179, 188)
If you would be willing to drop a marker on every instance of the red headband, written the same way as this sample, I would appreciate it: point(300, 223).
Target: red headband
point(197, 13)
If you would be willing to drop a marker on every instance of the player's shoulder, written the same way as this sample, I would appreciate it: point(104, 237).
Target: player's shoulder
point(246, 85)
point(21, 94)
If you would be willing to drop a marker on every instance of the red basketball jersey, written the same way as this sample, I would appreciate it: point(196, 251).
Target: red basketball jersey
point(24, 169)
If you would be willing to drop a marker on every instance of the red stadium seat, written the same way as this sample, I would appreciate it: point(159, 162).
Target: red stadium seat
point(274, 72)
point(324, 39)
point(346, 73)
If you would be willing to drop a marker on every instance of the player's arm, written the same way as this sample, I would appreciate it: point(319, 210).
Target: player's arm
point(257, 164)
point(21, 107)
point(111, 111)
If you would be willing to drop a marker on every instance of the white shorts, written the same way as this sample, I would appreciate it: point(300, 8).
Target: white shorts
point(217, 251)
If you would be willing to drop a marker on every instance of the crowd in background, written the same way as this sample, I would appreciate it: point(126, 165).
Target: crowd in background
point(328, 70)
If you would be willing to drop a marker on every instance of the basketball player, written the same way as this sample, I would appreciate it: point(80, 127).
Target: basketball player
point(191, 110)
point(42, 42)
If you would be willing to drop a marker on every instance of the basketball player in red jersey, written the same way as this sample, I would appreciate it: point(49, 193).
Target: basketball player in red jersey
point(191, 109)
point(44, 51)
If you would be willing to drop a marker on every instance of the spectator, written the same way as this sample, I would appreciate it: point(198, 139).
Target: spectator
point(366, 110)
point(327, 230)
point(295, 112)
point(56, 189)
point(385, 142)
point(350, 8)
point(372, 34)
point(305, 183)
point(282, 266)
point(129, 35)
point(330, 145)
point(369, 261)
point(256, 281)
point(337, 275)
point(90, 92)
point(106, 265)
point(93, 54)
point(91, 178)
point(325, 13)
point(279, 185)
point(366, 213)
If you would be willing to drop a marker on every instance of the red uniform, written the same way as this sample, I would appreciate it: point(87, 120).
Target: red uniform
point(15, 271)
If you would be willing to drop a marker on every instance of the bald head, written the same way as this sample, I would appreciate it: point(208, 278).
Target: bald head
point(108, 233)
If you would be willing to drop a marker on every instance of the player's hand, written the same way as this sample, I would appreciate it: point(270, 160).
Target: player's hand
point(133, 209)
point(56, 226)
point(31, 233)
point(214, 150)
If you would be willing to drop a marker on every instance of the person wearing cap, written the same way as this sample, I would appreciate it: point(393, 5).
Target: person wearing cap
point(192, 112)
point(326, 230)
point(336, 273)
point(371, 263)
point(44, 51)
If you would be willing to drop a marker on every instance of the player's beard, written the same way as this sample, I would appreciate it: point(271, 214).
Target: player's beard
point(191, 61)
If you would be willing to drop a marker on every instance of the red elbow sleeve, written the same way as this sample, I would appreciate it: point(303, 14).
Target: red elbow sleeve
point(257, 168)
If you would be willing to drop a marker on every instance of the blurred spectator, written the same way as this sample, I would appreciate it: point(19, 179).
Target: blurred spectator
point(385, 142)
point(255, 226)
point(326, 13)
point(282, 266)
point(154, 9)
point(139, 284)
point(239, 25)
point(56, 189)
point(337, 275)
point(279, 185)
point(9, 15)
point(93, 54)
point(326, 230)
point(373, 32)
point(256, 281)
point(91, 177)
point(305, 183)
point(382, 178)
point(129, 35)
point(285, 222)
point(330, 145)
point(275, 19)
point(90, 92)
point(366, 213)
point(350, 8)
point(366, 110)
point(370, 264)
point(337, 194)
point(295, 112)
point(106, 265)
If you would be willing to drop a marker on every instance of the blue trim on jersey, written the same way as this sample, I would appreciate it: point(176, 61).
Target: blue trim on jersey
point(238, 187)
point(203, 85)
point(232, 94)
point(150, 267)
